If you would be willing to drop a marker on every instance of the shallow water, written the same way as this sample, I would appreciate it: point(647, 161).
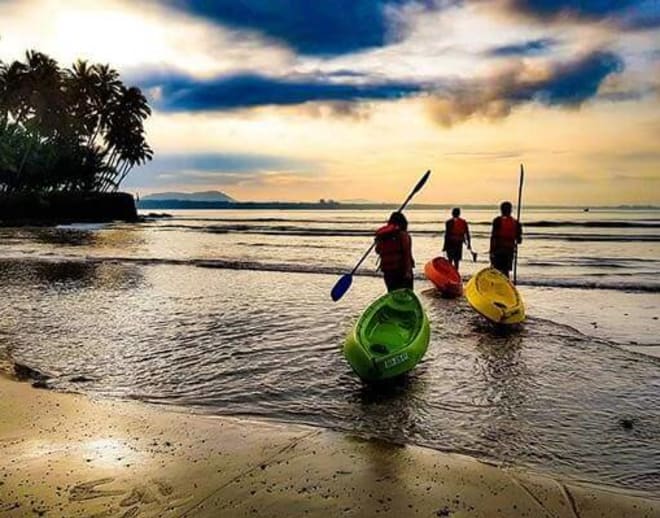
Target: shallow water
point(188, 317)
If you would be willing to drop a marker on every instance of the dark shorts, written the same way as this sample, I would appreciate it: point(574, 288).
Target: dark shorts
point(502, 260)
point(454, 250)
point(396, 280)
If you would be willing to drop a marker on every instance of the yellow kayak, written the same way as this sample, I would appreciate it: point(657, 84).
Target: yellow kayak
point(492, 294)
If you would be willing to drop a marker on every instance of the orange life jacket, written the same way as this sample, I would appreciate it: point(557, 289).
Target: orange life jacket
point(506, 232)
point(457, 229)
point(389, 246)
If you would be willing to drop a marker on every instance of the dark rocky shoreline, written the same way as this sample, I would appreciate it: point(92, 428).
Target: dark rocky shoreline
point(43, 209)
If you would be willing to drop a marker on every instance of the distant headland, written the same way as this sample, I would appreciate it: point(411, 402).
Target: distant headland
point(218, 200)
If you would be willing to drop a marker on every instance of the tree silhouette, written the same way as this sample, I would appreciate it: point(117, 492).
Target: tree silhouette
point(77, 129)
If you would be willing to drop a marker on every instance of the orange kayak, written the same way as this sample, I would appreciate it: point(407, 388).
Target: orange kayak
point(445, 277)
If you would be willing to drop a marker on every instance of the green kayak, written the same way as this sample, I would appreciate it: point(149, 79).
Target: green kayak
point(390, 337)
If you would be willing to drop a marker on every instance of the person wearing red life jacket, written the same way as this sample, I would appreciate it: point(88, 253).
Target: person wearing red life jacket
point(505, 237)
point(394, 246)
point(457, 232)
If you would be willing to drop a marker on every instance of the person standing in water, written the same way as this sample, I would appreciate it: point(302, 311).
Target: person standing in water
point(394, 247)
point(457, 232)
point(505, 237)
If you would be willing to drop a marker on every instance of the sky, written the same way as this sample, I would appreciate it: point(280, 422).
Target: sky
point(355, 99)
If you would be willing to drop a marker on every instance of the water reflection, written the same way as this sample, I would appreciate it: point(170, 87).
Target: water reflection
point(65, 237)
point(389, 406)
point(501, 365)
point(70, 274)
point(266, 344)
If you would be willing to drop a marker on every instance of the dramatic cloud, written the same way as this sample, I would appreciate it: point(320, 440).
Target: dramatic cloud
point(181, 93)
point(633, 14)
point(527, 48)
point(581, 7)
point(331, 97)
point(312, 27)
point(567, 84)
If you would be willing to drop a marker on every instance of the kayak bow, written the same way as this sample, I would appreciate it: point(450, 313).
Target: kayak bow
point(444, 277)
point(491, 294)
point(390, 337)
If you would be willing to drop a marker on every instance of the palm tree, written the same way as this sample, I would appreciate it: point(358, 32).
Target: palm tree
point(73, 129)
point(4, 107)
point(125, 136)
point(104, 96)
point(44, 109)
point(80, 84)
point(16, 90)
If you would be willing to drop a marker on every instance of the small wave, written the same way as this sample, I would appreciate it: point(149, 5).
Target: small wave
point(305, 231)
point(594, 262)
point(593, 224)
point(227, 264)
point(591, 284)
point(642, 224)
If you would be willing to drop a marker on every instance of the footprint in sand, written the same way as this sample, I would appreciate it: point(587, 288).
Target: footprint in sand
point(114, 513)
point(163, 487)
point(130, 513)
point(139, 495)
point(88, 490)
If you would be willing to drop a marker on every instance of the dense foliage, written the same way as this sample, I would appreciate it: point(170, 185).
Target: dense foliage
point(77, 129)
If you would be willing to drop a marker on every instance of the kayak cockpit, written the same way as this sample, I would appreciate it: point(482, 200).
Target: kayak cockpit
point(390, 337)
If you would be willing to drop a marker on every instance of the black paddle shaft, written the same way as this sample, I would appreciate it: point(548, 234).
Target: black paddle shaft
point(520, 188)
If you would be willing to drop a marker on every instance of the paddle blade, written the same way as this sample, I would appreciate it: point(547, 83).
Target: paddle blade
point(421, 182)
point(342, 286)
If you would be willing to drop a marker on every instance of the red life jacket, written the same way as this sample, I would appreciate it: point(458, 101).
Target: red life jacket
point(389, 246)
point(506, 232)
point(457, 229)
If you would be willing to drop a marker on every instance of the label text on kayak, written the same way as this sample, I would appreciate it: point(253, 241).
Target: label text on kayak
point(395, 360)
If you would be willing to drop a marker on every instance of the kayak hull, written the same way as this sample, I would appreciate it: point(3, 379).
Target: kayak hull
point(491, 294)
point(390, 337)
point(444, 277)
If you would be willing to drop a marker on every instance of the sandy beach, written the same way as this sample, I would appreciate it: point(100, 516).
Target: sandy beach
point(69, 455)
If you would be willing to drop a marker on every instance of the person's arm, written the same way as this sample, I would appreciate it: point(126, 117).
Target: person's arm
point(444, 244)
point(492, 235)
point(518, 232)
point(408, 260)
point(467, 236)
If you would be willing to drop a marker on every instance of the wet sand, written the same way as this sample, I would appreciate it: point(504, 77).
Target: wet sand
point(69, 455)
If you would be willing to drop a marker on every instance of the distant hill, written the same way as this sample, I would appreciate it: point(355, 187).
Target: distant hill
point(205, 196)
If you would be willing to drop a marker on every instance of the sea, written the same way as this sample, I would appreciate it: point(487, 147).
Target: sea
point(228, 312)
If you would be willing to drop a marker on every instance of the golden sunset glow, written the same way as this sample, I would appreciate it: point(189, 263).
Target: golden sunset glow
point(478, 89)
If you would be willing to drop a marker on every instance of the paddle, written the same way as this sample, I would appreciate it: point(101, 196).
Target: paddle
point(345, 281)
point(515, 256)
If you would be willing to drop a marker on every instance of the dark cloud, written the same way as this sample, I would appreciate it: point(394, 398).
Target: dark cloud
point(218, 169)
point(566, 85)
point(526, 48)
point(630, 14)
point(181, 93)
point(313, 27)
point(573, 83)
point(595, 8)
point(219, 163)
point(644, 16)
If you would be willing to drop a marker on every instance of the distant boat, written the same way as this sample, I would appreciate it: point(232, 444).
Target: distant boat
point(586, 210)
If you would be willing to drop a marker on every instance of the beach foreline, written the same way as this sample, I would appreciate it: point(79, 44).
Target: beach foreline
point(69, 455)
